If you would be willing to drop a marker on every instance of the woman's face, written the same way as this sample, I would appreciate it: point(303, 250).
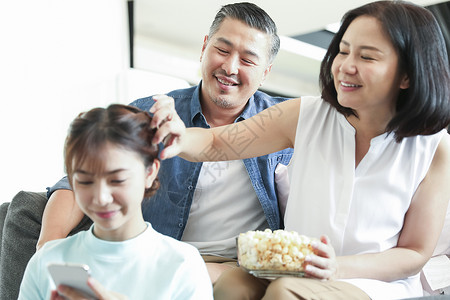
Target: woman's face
point(365, 71)
point(112, 197)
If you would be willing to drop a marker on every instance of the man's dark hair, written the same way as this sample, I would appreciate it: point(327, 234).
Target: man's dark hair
point(253, 16)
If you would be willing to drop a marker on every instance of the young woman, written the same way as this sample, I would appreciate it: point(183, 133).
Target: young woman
point(112, 165)
point(371, 160)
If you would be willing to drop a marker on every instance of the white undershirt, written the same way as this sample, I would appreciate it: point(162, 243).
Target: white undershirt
point(224, 205)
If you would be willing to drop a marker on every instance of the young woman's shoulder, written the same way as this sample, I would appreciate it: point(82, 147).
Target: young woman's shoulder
point(179, 247)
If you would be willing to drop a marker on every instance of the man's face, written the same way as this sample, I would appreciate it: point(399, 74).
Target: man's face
point(235, 62)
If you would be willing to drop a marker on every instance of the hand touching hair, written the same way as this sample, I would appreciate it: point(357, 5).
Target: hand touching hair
point(121, 125)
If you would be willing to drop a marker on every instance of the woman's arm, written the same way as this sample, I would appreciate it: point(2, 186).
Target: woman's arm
point(422, 228)
point(61, 215)
point(269, 131)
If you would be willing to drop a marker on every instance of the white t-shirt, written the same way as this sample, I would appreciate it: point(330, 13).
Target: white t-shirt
point(224, 205)
point(362, 209)
point(149, 266)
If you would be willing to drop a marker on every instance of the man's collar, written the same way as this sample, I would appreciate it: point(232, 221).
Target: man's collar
point(249, 109)
point(196, 108)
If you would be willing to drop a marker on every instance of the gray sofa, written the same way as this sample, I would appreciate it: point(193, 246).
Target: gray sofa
point(20, 222)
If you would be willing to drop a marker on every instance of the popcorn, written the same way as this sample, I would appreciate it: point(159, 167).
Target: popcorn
point(278, 250)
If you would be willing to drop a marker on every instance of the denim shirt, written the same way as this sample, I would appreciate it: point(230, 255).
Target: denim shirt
point(168, 210)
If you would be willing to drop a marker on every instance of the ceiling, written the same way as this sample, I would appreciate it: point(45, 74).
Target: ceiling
point(168, 36)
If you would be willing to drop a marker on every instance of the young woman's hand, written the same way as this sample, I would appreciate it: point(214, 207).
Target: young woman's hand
point(170, 128)
point(324, 264)
point(65, 293)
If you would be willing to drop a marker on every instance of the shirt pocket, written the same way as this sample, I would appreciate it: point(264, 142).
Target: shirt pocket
point(279, 158)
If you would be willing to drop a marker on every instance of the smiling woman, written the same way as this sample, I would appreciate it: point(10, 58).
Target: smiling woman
point(367, 62)
point(112, 164)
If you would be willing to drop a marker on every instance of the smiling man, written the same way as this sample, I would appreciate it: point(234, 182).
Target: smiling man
point(209, 204)
point(235, 59)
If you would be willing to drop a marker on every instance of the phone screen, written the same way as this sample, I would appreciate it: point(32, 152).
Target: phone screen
point(73, 275)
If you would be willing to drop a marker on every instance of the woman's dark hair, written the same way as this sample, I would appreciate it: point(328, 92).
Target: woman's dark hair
point(121, 125)
point(253, 16)
point(424, 107)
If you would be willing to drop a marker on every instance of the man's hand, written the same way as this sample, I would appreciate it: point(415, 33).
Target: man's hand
point(170, 128)
point(65, 292)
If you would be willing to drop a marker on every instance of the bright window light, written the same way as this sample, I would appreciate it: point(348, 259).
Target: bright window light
point(301, 48)
point(333, 27)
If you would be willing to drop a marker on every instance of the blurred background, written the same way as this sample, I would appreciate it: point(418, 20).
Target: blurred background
point(61, 57)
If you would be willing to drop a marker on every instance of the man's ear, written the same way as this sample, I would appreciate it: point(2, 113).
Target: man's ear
point(266, 72)
point(205, 42)
point(152, 172)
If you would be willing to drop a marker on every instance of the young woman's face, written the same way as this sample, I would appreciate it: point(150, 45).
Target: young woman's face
point(365, 71)
point(112, 198)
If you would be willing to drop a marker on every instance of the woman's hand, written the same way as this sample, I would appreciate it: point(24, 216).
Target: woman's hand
point(170, 128)
point(324, 264)
point(65, 292)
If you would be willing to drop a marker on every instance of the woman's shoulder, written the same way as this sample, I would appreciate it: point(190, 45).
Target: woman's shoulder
point(315, 109)
point(182, 247)
point(443, 147)
point(313, 101)
point(59, 244)
point(439, 141)
point(168, 242)
point(55, 250)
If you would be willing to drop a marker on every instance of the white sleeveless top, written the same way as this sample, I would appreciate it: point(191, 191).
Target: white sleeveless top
point(362, 209)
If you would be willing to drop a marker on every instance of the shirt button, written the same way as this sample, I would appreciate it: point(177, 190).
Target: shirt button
point(190, 187)
point(180, 225)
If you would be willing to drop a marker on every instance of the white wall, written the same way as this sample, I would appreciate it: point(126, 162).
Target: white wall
point(58, 58)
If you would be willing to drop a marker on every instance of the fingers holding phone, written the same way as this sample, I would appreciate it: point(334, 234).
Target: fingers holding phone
point(73, 281)
point(65, 292)
point(74, 276)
